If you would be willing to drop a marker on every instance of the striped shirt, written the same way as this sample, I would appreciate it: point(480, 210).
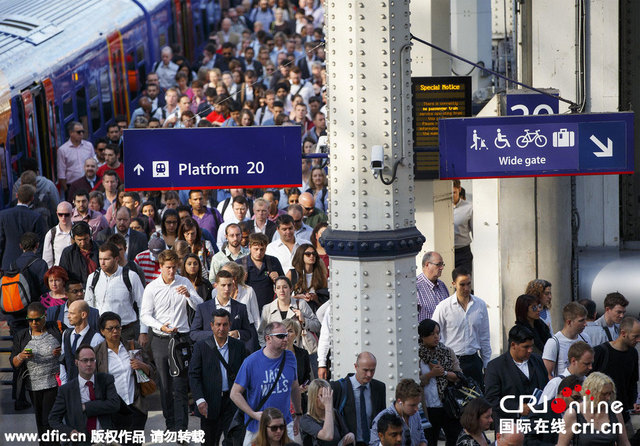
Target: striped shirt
point(429, 296)
point(149, 266)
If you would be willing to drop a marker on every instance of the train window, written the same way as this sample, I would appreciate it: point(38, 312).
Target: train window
point(93, 89)
point(142, 65)
point(132, 74)
point(67, 107)
point(81, 106)
point(162, 39)
point(95, 114)
point(105, 96)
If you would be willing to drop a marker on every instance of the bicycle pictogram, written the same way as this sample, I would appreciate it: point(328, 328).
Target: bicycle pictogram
point(531, 137)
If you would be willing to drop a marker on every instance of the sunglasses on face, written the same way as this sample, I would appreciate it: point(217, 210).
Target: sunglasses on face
point(64, 214)
point(35, 319)
point(277, 427)
point(279, 335)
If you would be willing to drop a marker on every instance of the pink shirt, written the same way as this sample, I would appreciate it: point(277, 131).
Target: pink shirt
point(71, 160)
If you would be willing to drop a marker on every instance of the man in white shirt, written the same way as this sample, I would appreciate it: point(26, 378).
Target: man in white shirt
point(166, 69)
point(607, 327)
point(71, 155)
point(580, 364)
point(302, 230)
point(58, 237)
point(79, 334)
point(164, 311)
point(111, 291)
point(555, 354)
point(239, 205)
point(464, 326)
point(285, 247)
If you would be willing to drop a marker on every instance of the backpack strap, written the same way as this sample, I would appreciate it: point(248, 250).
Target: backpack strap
point(225, 206)
point(343, 399)
point(53, 238)
point(555, 338)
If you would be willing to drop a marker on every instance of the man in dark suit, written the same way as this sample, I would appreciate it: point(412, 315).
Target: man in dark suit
point(81, 258)
point(240, 328)
point(514, 373)
point(360, 398)
point(136, 241)
point(88, 180)
point(16, 221)
point(87, 402)
point(261, 222)
point(214, 365)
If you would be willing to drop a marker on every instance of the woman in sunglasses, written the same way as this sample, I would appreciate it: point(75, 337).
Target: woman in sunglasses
point(272, 430)
point(528, 314)
point(322, 425)
point(285, 307)
point(35, 355)
point(309, 276)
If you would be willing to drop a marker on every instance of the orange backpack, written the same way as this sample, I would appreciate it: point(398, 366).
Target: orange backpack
point(15, 294)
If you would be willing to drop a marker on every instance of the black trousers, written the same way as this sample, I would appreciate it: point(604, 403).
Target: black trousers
point(464, 258)
point(173, 390)
point(136, 420)
point(471, 366)
point(42, 403)
point(214, 427)
point(439, 419)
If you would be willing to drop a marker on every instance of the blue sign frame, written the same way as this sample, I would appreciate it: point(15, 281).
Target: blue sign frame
point(212, 158)
point(540, 145)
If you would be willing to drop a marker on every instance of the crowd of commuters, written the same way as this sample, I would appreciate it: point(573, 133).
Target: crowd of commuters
point(123, 284)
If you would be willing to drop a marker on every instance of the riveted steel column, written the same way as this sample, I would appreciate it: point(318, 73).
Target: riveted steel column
point(372, 239)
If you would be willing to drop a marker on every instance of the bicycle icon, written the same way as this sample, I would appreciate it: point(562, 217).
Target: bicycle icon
point(501, 140)
point(531, 137)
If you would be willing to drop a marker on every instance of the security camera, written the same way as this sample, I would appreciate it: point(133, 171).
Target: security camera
point(323, 144)
point(377, 160)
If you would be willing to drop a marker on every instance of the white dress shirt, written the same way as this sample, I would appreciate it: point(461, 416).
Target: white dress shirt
point(61, 241)
point(162, 304)
point(465, 332)
point(120, 368)
point(246, 295)
point(278, 249)
point(111, 294)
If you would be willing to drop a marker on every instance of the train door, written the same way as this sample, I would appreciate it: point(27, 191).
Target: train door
point(48, 129)
point(177, 35)
point(188, 30)
point(118, 74)
point(42, 132)
point(17, 139)
point(30, 125)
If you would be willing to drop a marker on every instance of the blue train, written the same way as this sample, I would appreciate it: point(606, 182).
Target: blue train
point(79, 60)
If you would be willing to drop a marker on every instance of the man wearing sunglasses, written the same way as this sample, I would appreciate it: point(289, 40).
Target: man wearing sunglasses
point(58, 237)
point(312, 215)
point(72, 154)
point(257, 377)
point(431, 290)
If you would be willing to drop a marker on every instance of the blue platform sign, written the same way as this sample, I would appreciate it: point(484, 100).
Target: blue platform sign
point(543, 145)
point(212, 158)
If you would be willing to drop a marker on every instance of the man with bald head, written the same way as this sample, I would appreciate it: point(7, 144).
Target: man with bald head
point(365, 397)
point(88, 180)
point(145, 109)
point(58, 237)
point(312, 215)
point(431, 290)
point(226, 34)
point(78, 334)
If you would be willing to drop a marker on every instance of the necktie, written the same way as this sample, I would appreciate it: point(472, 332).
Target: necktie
point(364, 423)
point(76, 336)
point(92, 422)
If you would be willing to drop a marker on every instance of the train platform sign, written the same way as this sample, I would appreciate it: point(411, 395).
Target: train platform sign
point(542, 145)
point(212, 158)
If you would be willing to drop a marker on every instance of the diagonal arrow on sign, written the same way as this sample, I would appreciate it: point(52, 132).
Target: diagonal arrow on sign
point(606, 151)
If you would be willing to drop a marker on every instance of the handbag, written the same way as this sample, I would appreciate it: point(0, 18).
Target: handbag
point(180, 349)
point(457, 395)
point(148, 386)
point(237, 429)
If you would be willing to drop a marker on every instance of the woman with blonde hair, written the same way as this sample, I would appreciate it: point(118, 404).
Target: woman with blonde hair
point(594, 410)
point(272, 430)
point(541, 290)
point(322, 424)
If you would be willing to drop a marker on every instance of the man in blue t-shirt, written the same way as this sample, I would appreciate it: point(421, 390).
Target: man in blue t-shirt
point(257, 376)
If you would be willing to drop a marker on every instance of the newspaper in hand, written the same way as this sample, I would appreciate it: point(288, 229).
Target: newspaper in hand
point(141, 377)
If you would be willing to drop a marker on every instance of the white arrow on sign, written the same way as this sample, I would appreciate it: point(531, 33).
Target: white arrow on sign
point(138, 169)
point(606, 151)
